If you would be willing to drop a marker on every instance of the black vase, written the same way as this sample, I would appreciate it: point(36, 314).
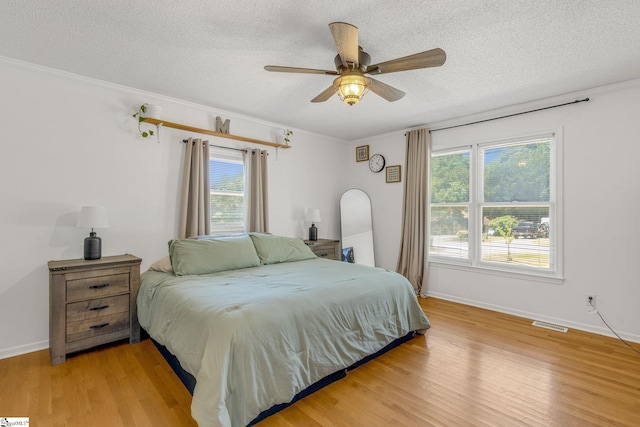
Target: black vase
point(313, 232)
point(92, 246)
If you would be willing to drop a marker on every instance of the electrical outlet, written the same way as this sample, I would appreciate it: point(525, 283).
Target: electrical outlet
point(591, 302)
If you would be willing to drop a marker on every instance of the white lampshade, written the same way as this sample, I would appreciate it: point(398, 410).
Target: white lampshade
point(92, 217)
point(313, 215)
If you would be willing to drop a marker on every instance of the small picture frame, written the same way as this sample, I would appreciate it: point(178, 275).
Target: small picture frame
point(393, 173)
point(362, 153)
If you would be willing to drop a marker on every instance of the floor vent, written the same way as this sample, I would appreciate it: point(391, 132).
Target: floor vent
point(549, 326)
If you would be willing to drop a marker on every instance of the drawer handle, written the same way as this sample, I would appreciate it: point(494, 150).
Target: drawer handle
point(324, 254)
point(104, 285)
point(102, 307)
point(99, 326)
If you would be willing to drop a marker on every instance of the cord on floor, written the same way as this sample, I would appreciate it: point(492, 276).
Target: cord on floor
point(595, 310)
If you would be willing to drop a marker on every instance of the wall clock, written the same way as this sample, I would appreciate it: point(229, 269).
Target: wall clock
point(376, 163)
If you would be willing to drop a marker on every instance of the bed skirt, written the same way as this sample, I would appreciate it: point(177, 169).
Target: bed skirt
point(189, 380)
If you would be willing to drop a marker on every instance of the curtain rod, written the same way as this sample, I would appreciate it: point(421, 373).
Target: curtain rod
point(220, 146)
point(511, 115)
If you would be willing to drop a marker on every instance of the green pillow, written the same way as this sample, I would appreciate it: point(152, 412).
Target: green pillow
point(190, 256)
point(274, 249)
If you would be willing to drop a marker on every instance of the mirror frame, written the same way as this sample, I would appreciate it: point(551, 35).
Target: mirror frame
point(356, 227)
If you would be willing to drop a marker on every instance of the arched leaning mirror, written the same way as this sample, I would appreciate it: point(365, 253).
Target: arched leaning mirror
point(356, 227)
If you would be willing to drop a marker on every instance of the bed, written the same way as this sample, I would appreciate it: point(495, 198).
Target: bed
point(257, 319)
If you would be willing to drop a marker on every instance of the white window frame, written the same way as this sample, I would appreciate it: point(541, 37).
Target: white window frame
point(232, 156)
point(469, 204)
point(554, 273)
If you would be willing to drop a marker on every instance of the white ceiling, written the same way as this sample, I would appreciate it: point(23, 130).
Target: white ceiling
point(499, 52)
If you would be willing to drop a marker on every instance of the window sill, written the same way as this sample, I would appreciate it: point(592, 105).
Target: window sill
point(521, 275)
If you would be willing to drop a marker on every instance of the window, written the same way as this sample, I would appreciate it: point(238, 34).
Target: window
point(227, 185)
point(449, 233)
point(494, 206)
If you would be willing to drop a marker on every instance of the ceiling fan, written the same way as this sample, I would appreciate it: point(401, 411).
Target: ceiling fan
point(352, 63)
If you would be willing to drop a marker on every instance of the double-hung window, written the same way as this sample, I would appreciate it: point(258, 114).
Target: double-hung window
point(227, 189)
point(450, 204)
point(494, 205)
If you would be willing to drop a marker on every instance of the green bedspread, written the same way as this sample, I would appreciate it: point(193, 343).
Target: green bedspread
point(255, 337)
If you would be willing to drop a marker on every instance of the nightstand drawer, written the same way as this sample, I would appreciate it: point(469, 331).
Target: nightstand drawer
point(325, 248)
point(98, 326)
point(95, 287)
point(324, 251)
point(95, 308)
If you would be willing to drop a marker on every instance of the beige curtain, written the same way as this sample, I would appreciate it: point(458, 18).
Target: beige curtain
point(412, 262)
point(195, 218)
point(258, 206)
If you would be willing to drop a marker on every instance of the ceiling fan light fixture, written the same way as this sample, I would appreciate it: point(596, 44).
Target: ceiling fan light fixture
point(352, 87)
point(353, 63)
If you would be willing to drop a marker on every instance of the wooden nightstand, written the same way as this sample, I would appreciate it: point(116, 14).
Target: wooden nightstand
point(325, 248)
point(92, 303)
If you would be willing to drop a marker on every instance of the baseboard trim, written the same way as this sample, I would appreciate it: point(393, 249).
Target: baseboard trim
point(23, 349)
point(536, 316)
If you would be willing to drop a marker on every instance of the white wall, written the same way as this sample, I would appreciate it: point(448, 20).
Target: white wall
point(386, 198)
point(69, 141)
point(601, 205)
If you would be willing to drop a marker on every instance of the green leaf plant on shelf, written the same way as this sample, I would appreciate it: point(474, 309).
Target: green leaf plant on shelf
point(287, 134)
point(141, 115)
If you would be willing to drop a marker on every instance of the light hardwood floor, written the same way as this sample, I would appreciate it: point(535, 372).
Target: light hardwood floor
point(473, 368)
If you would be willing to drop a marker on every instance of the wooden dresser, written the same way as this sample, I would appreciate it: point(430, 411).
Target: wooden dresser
point(92, 302)
point(325, 248)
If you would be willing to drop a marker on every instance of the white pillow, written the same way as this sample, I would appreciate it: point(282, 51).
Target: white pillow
point(162, 265)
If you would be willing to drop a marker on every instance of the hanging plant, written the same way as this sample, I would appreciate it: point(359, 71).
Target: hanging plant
point(141, 115)
point(287, 134)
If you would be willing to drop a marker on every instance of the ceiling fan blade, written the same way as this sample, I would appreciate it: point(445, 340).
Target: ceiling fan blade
point(384, 90)
point(325, 95)
point(345, 36)
point(279, 69)
point(428, 59)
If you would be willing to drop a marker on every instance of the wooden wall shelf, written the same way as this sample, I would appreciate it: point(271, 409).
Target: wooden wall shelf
point(211, 132)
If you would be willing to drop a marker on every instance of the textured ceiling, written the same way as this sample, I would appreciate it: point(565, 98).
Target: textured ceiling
point(499, 52)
